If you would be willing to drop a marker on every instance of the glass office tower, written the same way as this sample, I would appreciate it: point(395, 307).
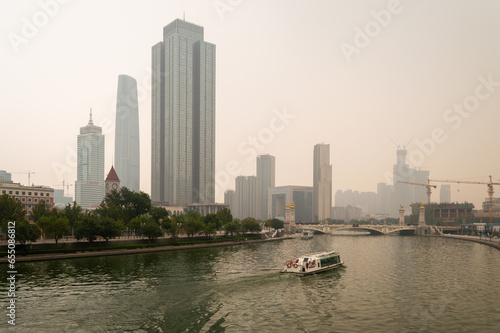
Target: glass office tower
point(127, 155)
point(183, 116)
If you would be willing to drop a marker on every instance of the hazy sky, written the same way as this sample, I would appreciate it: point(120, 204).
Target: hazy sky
point(358, 75)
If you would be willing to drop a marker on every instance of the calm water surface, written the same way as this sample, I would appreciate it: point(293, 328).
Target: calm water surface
point(389, 284)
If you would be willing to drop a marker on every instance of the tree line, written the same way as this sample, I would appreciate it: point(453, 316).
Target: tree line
point(121, 212)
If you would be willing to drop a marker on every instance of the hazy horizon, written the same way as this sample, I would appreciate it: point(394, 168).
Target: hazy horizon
point(362, 76)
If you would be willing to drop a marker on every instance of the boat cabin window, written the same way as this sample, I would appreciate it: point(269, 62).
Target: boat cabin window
point(330, 261)
point(306, 259)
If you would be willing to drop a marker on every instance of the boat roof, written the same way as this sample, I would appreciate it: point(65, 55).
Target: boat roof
point(319, 254)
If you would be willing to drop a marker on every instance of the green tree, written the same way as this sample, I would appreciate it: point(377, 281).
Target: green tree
point(10, 210)
point(192, 223)
point(56, 227)
point(43, 222)
point(87, 228)
point(173, 228)
point(158, 213)
point(73, 213)
point(151, 229)
point(124, 205)
point(276, 224)
point(210, 225)
point(250, 224)
point(233, 227)
point(135, 225)
point(224, 217)
point(26, 232)
point(112, 206)
point(109, 228)
point(40, 210)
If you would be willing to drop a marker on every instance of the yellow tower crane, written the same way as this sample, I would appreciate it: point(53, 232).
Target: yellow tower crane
point(29, 176)
point(490, 189)
point(428, 185)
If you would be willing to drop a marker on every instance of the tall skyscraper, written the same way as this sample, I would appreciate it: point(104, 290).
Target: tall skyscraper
point(322, 182)
point(445, 194)
point(183, 116)
point(266, 167)
point(89, 185)
point(244, 197)
point(127, 156)
point(420, 192)
point(229, 199)
point(403, 193)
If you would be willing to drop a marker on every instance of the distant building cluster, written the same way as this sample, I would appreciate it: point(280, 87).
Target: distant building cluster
point(258, 197)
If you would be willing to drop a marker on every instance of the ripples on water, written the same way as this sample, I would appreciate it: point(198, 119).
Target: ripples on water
point(389, 284)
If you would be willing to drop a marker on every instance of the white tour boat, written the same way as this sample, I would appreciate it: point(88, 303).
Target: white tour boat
point(313, 263)
point(307, 234)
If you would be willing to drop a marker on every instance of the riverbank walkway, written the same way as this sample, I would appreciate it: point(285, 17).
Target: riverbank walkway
point(114, 252)
point(495, 242)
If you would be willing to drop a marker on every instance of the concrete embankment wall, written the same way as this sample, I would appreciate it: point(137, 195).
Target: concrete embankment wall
point(494, 242)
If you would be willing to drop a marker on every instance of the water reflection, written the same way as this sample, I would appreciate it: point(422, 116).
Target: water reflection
point(389, 283)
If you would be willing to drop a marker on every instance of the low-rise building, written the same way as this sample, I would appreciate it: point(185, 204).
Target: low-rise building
point(281, 196)
point(29, 196)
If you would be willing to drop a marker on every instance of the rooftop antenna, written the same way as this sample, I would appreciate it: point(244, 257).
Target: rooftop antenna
point(184, 16)
point(90, 119)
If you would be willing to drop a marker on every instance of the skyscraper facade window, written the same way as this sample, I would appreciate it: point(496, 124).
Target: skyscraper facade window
point(127, 155)
point(445, 194)
point(183, 116)
point(244, 197)
point(322, 182)
point(89, 185)
point(266, 169)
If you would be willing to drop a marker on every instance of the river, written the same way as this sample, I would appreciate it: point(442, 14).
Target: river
point(388, 284)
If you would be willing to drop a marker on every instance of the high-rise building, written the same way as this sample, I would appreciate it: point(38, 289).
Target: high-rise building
point(281, 196)
point(4, 175)
point(127, 156)
point(322, 182)
point(403, 193)
point(89, 185)
point(183, 116)
point(445, 194)
point(384, 199)
point(244, 197)
point(229, 199)
point(266, 167)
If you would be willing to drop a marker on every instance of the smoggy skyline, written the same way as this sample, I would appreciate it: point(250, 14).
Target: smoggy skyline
point(361, 76)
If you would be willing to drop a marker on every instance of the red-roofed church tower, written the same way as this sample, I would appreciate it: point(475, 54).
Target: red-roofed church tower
point(112, 181)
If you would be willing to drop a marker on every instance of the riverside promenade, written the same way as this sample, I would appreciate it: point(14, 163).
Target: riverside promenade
point(113, 252)
point(494, 242)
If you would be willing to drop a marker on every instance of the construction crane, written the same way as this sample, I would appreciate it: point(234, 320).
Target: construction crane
point(490, 190)
point(428, 186)
point(64, 184)
point(67, 186)
point(29, 176)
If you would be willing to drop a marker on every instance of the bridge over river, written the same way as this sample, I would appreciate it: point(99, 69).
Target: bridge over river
point(374, 229)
